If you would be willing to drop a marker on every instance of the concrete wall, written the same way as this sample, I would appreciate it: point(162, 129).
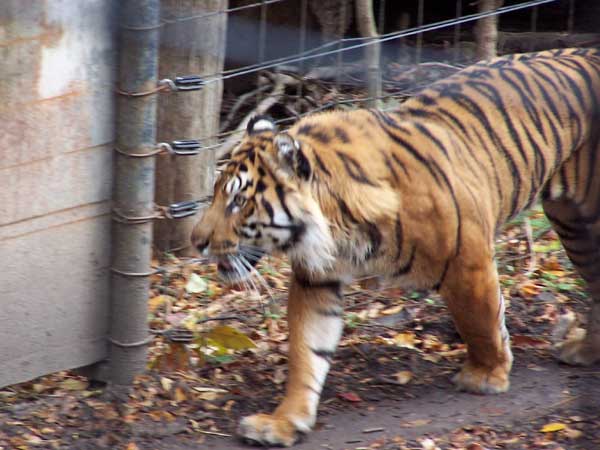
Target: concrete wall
point(57, 66)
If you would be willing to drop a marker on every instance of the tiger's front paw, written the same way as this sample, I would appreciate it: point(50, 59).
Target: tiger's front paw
point(266, 429)
point(482, 380)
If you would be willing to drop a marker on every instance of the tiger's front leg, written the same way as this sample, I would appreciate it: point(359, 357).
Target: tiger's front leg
point(315, 326)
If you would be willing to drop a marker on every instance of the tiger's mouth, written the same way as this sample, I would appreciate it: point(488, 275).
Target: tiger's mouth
point(238, 266)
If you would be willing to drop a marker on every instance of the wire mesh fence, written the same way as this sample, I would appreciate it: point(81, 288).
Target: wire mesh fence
point(412, 57)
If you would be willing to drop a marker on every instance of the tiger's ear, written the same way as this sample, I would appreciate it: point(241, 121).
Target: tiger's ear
point(258, 124)
point(290, 156)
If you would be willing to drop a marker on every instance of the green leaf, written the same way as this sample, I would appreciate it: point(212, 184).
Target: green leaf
point(196, 284)
point(231, 338)
point(565, 287)
point(219, 359)
point(73, 384)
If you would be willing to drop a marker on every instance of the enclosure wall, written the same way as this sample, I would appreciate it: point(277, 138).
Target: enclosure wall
point(56, 126)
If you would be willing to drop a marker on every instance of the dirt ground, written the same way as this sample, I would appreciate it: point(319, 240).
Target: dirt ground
point(542, 392)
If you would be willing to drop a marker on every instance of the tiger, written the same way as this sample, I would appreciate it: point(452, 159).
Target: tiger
point(417, 195)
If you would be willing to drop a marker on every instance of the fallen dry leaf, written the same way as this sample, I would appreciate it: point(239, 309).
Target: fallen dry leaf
point(518, 340)
point(393, 310)
point(404, 376)
point(475, 446)
point(73, 384)
point(349, 397)
point(428, 444)
point(529, 289)
point(180, 395)
point(196, 284)
point(166, 383)
point(156, 302)
point(553, 426)
point(415, 423)
point(405, 340)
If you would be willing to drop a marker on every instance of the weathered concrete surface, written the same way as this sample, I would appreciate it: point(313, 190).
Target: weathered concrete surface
point(56, 126)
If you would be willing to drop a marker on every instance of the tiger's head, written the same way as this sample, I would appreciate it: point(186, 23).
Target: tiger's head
point(262, 204)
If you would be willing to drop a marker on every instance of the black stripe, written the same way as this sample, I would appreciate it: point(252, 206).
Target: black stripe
point(426, 100)
point(410, 149)
point(267, 206)
point(456, 209)
point(260, 186)
point(452, 122)
point(310, 388)
point(452, 118)
point(406, 268)
point(432, 138)
point(312, 132)
point(400, 164)
point(479, 115)
point(264, 169)
point(494, 96)
point(330, 312)
point(593, 217)
point(327, 355)
point(573, 228)
point(522, 78)
point(439, 283)
point(389, 165)
point(341, 134)
point(525, 97)
point(321, 164)
point(580, 252)
point(592, 155)
point(587, 263)
point(573, 116)
point(399, 237)
point(375, 238)
point(436, 172)
point(583, 72)
point(575, 88)
point(281, 197)
point(346, 211)
point(545, 93)
point(334, 286)
point(354, 169)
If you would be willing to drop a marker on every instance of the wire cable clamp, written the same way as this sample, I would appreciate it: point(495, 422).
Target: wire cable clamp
point(183, 83)
point(187, 147)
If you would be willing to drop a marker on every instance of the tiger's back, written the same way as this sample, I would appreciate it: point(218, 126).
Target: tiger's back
point(417, 195)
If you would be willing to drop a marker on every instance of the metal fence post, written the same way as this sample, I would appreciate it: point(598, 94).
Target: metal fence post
point(133, 190)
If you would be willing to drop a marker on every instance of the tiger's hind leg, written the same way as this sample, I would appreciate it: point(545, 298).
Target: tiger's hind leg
point(579, 232)
point(473, 295)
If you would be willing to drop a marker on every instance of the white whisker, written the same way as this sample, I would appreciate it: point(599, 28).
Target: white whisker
point(258, 275)
point(242, 273)
point(249, 256)
point(253, 251)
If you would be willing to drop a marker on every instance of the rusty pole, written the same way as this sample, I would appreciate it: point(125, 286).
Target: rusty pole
point(133, 188)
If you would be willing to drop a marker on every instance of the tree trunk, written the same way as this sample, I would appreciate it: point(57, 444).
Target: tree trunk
point(486, 30)
point(365, 20)
point(192, 47)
